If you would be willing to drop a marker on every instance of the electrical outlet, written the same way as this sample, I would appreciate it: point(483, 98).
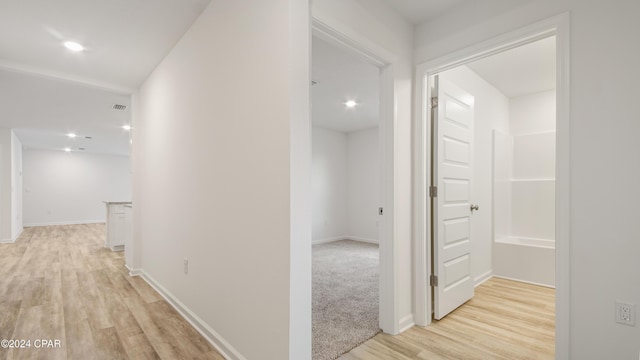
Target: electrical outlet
point(186, 266)
point(625, 313)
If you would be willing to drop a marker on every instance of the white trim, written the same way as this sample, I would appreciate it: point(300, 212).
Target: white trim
point(345, 37)
point(361, 239)
point(346, 237)
point(78, 222)
point(13, 239)
point(524, 281)
point(388, 294)
point(421, 297)
point(563, 188)
point(406, 323)
point(328, 240)
point(16, 236)
point(116, 248)
point(133, 272)
point(480, 279)
point(223, 347)
point(558, 26)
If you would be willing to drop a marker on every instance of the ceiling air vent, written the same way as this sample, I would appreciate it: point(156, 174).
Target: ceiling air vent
point(119, 107)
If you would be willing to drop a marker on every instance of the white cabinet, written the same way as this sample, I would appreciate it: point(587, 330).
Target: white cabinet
point(116, 225)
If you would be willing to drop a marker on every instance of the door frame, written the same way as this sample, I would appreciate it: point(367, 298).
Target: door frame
point(557, 26)
point(344, 38)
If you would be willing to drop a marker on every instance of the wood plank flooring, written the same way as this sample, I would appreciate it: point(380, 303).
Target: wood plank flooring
point(505, 320)
point(59, 282)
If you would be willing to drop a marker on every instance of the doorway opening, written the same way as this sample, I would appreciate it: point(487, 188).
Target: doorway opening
point(346, 197)
point(517, 162)
point(494, 113)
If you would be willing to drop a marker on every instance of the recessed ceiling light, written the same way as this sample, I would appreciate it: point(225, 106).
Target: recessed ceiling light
point(73, 46)
point(126, 127)
point(67, 149)
point(351, 103)
point(72, 135)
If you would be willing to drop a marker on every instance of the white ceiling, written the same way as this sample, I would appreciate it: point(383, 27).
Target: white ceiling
point(341, 76)
point(125, 41)
point(43, 110)
point(418, 11)
point(524, 70)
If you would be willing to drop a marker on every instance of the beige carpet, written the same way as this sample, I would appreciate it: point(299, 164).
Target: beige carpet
point(345, 296)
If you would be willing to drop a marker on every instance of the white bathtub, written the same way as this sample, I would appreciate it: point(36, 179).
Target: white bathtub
point(525, 259)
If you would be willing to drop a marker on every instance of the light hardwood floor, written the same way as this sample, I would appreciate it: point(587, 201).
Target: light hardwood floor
point(59, 282)
point(505, 320)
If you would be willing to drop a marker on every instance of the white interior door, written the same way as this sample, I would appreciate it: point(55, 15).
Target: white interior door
point(451, 205)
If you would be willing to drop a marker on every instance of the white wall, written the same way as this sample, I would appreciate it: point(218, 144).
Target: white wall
point(329, 182)
point(381, 30)
point(604, 242)
point(16, 186)
point(491, 112)
point(345, 185)
point(69, 188)
point(533, 113)
point(363, 184)
point(222, 165)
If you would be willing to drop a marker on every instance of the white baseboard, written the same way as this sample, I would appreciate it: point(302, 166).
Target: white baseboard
point(13, 239)
point(478, 280)
point(79, 222)
point(223, 347)
point(16, 236)
point(116, 248)
point(524, 281)
point(133, 272)
point(406, 323)
point(361, 239)
point(328, 240)
point(338, 238)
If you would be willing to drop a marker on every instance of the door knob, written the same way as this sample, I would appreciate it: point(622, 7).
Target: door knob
point(474, 207)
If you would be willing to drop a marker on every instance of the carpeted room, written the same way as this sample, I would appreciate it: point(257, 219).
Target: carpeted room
point(345, 200)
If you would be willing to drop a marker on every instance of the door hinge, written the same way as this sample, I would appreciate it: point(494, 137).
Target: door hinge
point(380, 211)
point(433, 280)
point(434, 101)
point(433, 191)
